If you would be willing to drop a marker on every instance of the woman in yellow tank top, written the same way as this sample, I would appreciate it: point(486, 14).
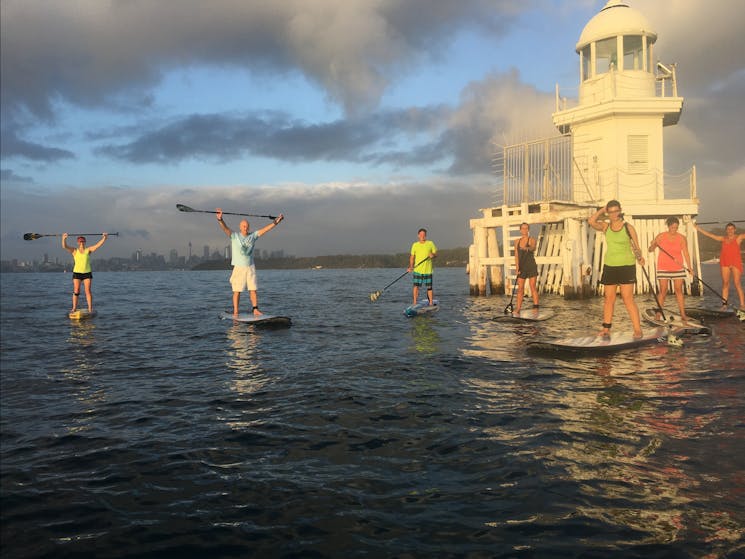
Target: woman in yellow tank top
point(81, 272)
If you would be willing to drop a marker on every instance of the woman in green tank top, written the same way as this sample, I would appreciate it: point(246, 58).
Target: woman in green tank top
point(619, 269)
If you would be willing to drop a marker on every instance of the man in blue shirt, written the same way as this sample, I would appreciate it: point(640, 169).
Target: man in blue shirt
point(242, 249)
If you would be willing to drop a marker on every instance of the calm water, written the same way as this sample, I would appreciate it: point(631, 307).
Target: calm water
point(157, 430)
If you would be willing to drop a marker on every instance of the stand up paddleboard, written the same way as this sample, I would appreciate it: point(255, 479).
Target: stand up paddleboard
point(531, 315)
point(422, 307)
point(260, 320)
point(690, 326)
point(81, 314)
point(600, 344)
point(711, 314)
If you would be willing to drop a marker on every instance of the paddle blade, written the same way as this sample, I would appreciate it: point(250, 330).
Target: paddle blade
point(183, 208)
point(508, 309)
point(674, 340)
point(374, 296)
point(30, 236)
point(740, 315)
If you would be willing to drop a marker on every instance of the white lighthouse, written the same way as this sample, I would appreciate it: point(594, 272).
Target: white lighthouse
point(611, 148)
point(616, 128)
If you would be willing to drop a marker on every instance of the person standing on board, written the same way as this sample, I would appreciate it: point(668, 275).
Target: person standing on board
point(670, 268)
point(730, 258)
point(619, 269)
point(525, 266)
point(82, 271)
point(242, 243)
point(423, 252)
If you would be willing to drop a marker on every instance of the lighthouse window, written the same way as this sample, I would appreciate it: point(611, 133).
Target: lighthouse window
point(586, 66)
point(633, 53)
point(605, 55)
point(638, 154)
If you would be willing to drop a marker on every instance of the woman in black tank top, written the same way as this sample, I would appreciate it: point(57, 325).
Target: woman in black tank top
point(525, 266)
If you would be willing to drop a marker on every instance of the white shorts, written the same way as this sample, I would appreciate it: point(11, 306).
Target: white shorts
point(243, 278)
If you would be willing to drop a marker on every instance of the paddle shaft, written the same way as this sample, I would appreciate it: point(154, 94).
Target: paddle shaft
point(33, 236)
point(508, 308)
point(695, 277)
point(402, 275)
point(187, 209)
point(652, 286)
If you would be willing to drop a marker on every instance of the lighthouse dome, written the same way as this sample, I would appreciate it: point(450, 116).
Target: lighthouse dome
point(616, 18)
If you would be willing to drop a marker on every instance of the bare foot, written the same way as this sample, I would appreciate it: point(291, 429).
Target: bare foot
point(604, 333)
point(638, 335)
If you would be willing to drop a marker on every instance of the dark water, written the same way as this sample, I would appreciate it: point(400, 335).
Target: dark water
point(157, 430)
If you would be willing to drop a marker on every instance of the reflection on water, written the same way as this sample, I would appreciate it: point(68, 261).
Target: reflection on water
point(425, 338)
point(243, 359)
point(627, 430)
point(81, 345)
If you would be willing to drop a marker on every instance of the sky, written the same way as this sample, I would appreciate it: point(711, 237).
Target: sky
point(359, 120)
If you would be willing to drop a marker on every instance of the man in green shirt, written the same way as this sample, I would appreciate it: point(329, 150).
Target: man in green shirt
point(420, 262)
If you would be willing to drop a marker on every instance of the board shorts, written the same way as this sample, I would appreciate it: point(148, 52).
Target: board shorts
point(668, 275)
point(423, 280)
point(243, 278)
point(618, 275)
point(82, 275)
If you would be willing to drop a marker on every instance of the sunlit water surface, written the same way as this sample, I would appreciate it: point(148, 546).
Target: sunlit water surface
point(158, 430)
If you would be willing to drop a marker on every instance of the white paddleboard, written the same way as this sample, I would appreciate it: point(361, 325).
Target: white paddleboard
point(422, 307)
point(81, 314)
point(601, 344)
point(260, 320)
point(691, 326)
point(533, 315)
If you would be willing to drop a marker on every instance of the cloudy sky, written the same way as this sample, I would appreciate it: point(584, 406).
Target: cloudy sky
point(360, 120)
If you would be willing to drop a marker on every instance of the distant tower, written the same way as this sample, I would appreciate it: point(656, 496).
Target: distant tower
point(189, 251)
point(616, 128)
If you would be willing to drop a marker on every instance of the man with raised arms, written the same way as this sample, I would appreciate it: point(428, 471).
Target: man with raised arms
point(242, 250)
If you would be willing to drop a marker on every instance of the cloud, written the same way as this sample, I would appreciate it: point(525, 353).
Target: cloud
point(328, 218)
point(706, 43)
point(11, 146)
point(462, 138)
point(8, 176)
point(87, 52)
point(275, 135)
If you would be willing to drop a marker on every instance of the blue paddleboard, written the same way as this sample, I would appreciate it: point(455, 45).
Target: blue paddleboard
point(422, 307)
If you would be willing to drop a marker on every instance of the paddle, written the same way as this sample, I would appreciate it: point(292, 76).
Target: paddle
point(509, 308)
point(34, 236)
point(187, 209)
point(374, 296)
point(739, 312)
point(695, 277)
point(672, 339)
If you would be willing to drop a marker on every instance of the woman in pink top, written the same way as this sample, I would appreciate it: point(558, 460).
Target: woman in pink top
point(730, 259)
point(673, 253)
